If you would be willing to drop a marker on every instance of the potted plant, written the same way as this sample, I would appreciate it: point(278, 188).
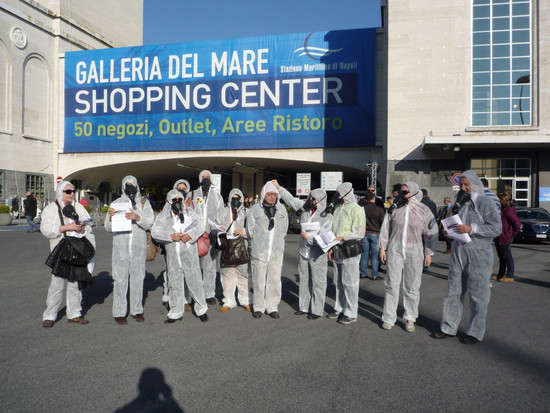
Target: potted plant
point(5, 216)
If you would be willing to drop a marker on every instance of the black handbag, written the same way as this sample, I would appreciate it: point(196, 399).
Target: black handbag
point(235, 252)
point(351, 248)
point(69, 258)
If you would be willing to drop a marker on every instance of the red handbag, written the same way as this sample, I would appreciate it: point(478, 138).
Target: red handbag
point(203, 244)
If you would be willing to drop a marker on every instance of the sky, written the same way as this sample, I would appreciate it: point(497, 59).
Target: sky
point(175, 21)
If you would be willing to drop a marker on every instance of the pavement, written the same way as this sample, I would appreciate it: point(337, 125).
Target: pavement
point(235, 363)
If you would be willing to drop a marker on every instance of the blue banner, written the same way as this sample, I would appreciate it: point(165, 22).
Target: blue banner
point(287, 91)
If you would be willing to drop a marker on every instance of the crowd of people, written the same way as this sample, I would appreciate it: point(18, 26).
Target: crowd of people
point(244, 240)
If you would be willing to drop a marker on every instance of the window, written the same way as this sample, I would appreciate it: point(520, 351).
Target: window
point(35, 184)
point(509, 175)
point(501, 63)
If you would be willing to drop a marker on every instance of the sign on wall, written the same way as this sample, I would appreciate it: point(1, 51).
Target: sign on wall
point(285, 91)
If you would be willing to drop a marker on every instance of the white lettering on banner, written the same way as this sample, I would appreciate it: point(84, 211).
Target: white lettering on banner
point(131, 70)
point(180, 64)
point(240, 65)
point(251, 94)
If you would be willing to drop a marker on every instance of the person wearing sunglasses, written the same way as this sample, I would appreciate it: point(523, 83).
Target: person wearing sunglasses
point(53, 229)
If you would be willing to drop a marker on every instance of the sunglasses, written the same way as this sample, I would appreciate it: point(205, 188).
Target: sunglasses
point(405, 192)
point(69, 191)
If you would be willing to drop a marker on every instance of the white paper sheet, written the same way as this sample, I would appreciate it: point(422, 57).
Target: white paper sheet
point(449, 225)
point(311, 228)
point(325, 239)
point(184, 227)
point(119, 222)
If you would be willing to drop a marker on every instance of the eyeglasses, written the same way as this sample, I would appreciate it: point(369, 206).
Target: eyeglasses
point(69, 191)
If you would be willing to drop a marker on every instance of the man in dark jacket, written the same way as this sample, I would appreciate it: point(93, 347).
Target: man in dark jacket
point(429, 203)
point(30, 211)
point(374, 216)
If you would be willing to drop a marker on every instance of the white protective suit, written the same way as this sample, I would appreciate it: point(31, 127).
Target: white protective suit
point(472, 263)
point(408, 235)
point(165, 287)
point(182, 258)
point(348, 222)
point(313, 263)
point(129, 253)
point(50, 229)
point(267, 250)
point(210, 207)
point(235, 277)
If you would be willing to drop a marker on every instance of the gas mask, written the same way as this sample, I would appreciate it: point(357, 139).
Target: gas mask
point(308, 206)
point(461, 198)
point(70, 212)
point(270, 211)
point(184, 193)
point(400, 201)
point(337, 200)
point(177, 208)
point(131, 191)
point(236, 203)
point(206, 183)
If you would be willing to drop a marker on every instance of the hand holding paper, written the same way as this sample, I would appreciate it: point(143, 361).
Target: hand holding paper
point(449, 225)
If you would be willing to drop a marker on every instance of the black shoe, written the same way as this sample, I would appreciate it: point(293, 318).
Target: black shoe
point(203, 318)
point(172, 320)
point(438, 335)
point(257, 314)
point(370, 277)
point(334, 315)
point(274, 314)
point(300, 313)
point(313, 316)
point(469, 340)
point(166, 305)
point(211, 301)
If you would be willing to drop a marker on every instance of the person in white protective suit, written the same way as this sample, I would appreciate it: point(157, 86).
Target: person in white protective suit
point(210, 204)
point(267, 225)
point(129, 250)
point(183, 186)
point(233, 219)
point(408, 240)
point(471, 262)
point(313, 263)
point(348, 224)
point(53, 229)
point(179, 228)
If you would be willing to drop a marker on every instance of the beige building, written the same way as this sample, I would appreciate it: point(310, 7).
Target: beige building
point(468, 85)
point(459, 85)
point(34, 35)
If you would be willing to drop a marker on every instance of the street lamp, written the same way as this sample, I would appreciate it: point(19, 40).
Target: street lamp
point(522, 80)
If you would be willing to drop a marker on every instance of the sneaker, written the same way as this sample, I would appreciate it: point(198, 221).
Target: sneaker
point(387, 326)
point(506, 280)
point(493, 277)
point(409, 326)
point(346, 320)
point(333, 316)
point(188, 307)
point(225, 308)
point(247, 308)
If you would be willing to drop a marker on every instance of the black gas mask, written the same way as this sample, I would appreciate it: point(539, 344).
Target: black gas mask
point(177, 208)
point(131, 191)
point(400, 201)
point(236, 203)
point(337, 200)
point(206, 183)
point(70, 212)
point(309, 205)
point(461, 198)
point(184, 193)
point(270, 211)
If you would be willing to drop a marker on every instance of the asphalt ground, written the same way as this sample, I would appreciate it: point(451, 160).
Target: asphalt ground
point(235, 363)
